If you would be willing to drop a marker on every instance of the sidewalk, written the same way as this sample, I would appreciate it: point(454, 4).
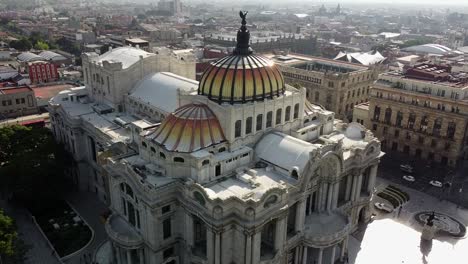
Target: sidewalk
point(90, 208)
point(40, 252)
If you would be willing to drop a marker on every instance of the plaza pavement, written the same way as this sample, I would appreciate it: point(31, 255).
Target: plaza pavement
point(395, 239)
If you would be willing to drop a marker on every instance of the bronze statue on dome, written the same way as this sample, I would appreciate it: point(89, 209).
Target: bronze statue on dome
point(243, 15)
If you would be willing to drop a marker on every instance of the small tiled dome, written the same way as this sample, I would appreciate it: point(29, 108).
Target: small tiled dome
point(190, 128)
point(241, 77)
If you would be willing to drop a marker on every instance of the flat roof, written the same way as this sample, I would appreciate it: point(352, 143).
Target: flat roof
point(14, 90)
point(50, 90)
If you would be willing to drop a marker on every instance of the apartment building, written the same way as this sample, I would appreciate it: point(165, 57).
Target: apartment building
point(336, 85)
point(422, 112)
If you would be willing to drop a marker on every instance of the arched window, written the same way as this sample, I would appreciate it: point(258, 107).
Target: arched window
point(399, 118)
point(270, 201)
point(451, 128)
point(376, 113)
point(199, 198)
point(411, 120)
point(437, 126)
point(129, 205)
point(153, 149)
point(278, 116)
point(269, 119)
point(287, 114)
point(237, 128)
point(144, 144)
point(296, 111)
point(388, 115)
point(317, 96)
point(259, 124)
point(248, 125)
point(179, 159)
point(162, 155)
point(126, 189)
point(205, 162)
point(294, 174)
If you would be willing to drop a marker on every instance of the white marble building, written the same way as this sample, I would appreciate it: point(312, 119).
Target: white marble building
point(238, 168)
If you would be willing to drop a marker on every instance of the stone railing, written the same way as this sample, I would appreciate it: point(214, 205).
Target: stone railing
point(122, 239)
point(327, 239)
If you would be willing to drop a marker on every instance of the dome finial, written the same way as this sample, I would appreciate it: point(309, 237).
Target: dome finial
point(243, 37)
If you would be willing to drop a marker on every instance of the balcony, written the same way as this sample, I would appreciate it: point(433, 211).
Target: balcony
point(323, 229)
point(121, 232)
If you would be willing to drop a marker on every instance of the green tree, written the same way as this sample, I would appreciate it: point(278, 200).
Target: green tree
point(21, 44)
point(40, 45)
point(12, 248)
point(7, 235)
point(32, 166)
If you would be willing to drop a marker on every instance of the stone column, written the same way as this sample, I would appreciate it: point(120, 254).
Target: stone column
point(323, 202)
point(256, 244)
point(248, 247)
point(210, 253)
point(372, 177)
point(329, 196)
point(217, 247)
point(141, 255)
point(353, 188)
point(129, 257)
point(336, 190)
point(318, 198)
point(118, 255)
point(296, 255)
point(332, 260)
point(349, 183)
point(344, 248)
point(300, 215)
point(304, 255)
point(280, 233)
point(358, 186)
point(189, 230)
point(320, 255)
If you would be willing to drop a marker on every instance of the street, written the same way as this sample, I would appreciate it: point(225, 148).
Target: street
point(389, 168)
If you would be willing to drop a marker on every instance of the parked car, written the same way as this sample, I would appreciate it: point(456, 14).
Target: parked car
point(409, 178)
point(383, 207)
point(436, 184)
point(406, 168)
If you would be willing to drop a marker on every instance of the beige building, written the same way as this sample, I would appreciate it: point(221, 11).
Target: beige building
point(17, 101)
point(422, 112)
point(336, 85)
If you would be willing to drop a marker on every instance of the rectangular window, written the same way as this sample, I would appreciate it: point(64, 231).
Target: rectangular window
point(269, 119)
point(167, 228)
point(166, 209)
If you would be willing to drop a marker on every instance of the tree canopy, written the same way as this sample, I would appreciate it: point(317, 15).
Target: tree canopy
point(21, 44)
point(32, 165)
point(40, 45)
point(12, 248)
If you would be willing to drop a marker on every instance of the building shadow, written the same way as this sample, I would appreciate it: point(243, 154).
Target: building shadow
point(425, 246)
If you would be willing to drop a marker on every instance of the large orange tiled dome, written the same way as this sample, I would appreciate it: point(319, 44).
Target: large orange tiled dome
point(243, 76)
point(190, 128)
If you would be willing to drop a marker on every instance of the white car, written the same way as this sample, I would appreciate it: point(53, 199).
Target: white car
point(436, 183)
point(406, 168)
point(383, 207)
point(409, 178)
